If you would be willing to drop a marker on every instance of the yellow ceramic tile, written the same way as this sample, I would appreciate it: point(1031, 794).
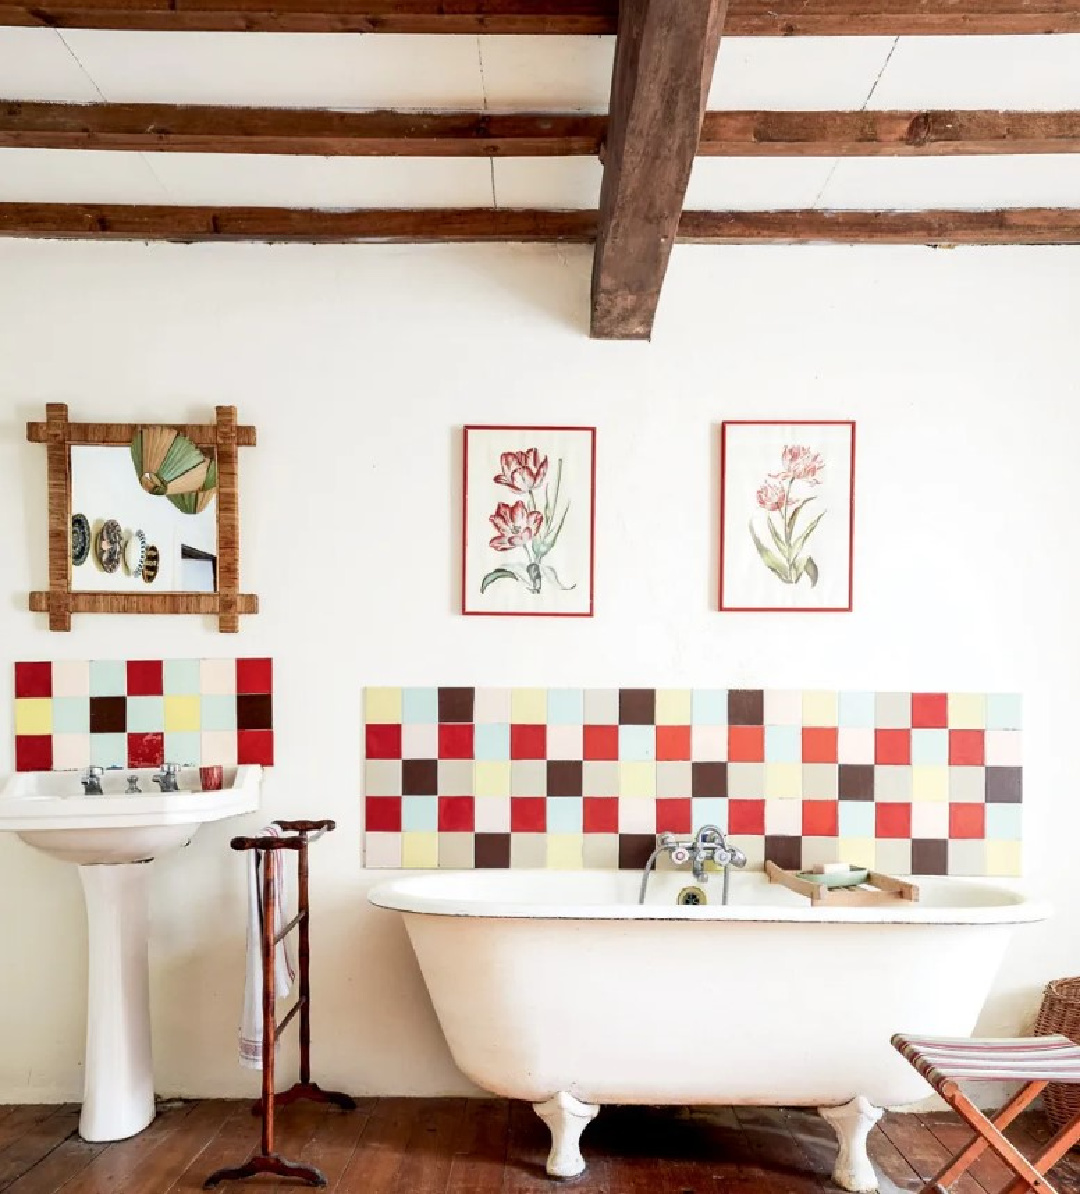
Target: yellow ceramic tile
point(528, 706)
point(929, 782)
point(1004, 859)
point(637, 779)
point(491, 779)
point(419, 850)
point(859, 851)
point(565, 851)
point(783, 781)
point(819, 709)
point(382, 706)
point(33, 715)
point(181, 713)
point(967, 711)
point(674, 707)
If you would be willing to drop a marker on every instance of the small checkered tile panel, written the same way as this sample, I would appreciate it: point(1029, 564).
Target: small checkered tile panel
point(143, 712)
point(910, 783)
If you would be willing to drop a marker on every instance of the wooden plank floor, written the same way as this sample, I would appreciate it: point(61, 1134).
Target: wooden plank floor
point(477, 1146)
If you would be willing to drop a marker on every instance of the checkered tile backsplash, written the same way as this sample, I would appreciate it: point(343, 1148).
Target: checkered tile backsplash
point(140, 713)
point(910, 783)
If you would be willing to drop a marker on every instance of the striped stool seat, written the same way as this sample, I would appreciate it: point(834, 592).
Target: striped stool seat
point(1033, 1061)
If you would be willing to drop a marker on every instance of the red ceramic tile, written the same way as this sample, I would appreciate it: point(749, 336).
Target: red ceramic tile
point(456, 741)
point(929, 710)
point(967, 821)
point(892, 820)
point(892, 747)
point(33, 679)
point(456, 814)
point(746, 816)
point(33, 752)
point(673, 743)
point(382, 741)
point(255, 746)
point(674, 816)
point(601, 814)
point(819, 745)
point(528, 814)
point(255, 675)
point(528, 742)
point(966, 748)
point(820, 818)
point(144, 677)
point(382, 814)
point(145, 750)
point(601, 742)
point(746, 744)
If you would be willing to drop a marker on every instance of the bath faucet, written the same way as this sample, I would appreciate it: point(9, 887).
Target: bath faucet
point(166, 777)
point(91, 781)
point(709, 844)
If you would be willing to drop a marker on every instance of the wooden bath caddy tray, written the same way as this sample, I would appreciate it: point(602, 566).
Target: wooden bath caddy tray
point(878, 889)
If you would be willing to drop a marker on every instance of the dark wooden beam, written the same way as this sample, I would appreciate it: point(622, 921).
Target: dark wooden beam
point(747, 18)
point(665, 53)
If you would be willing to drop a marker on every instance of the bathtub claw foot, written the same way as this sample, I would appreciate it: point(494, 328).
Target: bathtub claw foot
point(567, 1118)
point(852, 1123)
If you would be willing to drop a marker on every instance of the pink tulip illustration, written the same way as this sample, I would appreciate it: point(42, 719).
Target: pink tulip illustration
point(522, 471)
point(788, 559)
point(515, 526)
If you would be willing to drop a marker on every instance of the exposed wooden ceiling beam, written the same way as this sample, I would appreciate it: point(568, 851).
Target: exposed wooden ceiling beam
point(753, 18)
point(665, 53)
point(183, 129)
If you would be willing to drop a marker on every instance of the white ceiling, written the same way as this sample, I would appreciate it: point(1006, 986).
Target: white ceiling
point(523, 73)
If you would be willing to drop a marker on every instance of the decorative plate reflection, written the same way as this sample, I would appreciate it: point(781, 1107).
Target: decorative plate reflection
point(151, 564)
point(110, 545)
point(135, 553)
point(80, 539)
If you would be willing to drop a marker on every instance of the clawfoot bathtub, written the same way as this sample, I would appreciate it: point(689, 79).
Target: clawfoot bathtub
point(556, 987)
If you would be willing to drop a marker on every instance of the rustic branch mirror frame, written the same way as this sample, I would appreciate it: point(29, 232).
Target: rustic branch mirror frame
point(59, 601)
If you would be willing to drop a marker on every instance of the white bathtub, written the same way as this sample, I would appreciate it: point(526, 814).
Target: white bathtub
point(556, 987)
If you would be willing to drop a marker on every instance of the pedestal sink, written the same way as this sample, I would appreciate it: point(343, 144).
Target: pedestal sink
point(113, 839)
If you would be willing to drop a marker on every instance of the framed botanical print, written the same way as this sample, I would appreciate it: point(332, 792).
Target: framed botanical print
point(786, 515)
point(529, 521)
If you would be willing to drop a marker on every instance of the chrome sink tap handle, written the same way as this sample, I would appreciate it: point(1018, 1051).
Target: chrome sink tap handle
point(91, 780)
point(166, 777)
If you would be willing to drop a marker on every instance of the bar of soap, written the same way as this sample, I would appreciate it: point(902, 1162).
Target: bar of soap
point(832, 868)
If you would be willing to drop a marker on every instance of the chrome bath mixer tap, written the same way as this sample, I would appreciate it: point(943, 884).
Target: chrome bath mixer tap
point(708, 845)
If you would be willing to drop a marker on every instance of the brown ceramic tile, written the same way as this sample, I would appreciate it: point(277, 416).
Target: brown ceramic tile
point(108, 715)
point(856, 781)
point(254, 712)
point(637, 706)
point(634, 850)
point(784, 851)
point(709, 779)
point(929, 856)
point(563, 777)
point(492, 850)
point(456, 704)
point(746, 707)
point(419, 777)
point(1004, 785)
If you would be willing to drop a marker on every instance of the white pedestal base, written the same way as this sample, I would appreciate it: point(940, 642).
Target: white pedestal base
point(118, 1099)
point(852, 1123)
point(567, 1118)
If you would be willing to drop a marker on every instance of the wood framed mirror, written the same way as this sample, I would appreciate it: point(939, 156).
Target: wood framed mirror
point(143, 518)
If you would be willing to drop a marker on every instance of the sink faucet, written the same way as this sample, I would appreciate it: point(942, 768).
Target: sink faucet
point(91, 781)
point(166, 777)
point(708, 844)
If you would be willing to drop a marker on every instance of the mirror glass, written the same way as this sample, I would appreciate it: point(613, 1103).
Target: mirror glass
point(144, 518)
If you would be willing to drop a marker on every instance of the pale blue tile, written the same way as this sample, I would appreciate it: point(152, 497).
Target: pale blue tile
point(929, 746)
point(1004, 711)
point(709, 706)
point(71, 715)
point(420, 813)
point(491, 741)
point(108, 750)
point(710, 810)
point(783, 744)
point(183, 677)
point(1004, 822)
point(857, 818)
point(108, 677)
point(637, 744)
point(564, 814)
point(566, 706)
point(420, 706)
point(217, 713)
point(183, 747)
point(146, 715)
point(857, 709)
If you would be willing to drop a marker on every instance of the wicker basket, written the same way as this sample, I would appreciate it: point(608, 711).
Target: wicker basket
point(1060, 1013)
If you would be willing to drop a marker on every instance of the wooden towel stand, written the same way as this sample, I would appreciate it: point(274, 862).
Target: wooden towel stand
point(266, 1160)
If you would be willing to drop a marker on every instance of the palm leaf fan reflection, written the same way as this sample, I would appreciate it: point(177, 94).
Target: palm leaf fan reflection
point(167, 462)
point(196, 503)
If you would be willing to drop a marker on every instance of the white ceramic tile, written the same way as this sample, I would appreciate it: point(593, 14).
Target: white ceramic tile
point(783, 818)
point(382, 777)
point(855, 745)
point(783, 707)
point(637, 816)
point(71, 752)
point(382, 850)
point(35, 64)
point(564, 742)
point(217, 677)
point(71, 678)
point(492, 705)
point(219, 746)
point(708, 742)
point(1004, 748)
point(930, 819)
point(492, 814)
point(420, 742)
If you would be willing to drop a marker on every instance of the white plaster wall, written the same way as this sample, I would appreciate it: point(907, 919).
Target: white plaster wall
point(357, 365)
